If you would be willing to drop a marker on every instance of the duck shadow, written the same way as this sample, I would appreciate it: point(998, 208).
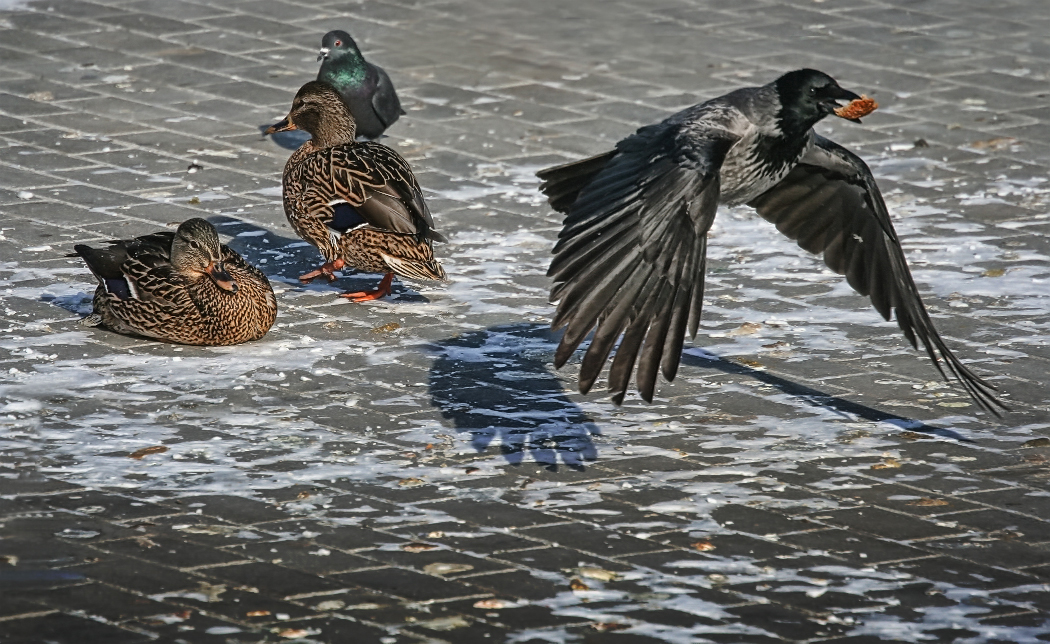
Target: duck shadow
point(289, 140)
point(696, 357)
point(497, 385)
point(284, 259)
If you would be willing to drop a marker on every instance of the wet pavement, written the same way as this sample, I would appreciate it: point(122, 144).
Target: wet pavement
point(414, 470)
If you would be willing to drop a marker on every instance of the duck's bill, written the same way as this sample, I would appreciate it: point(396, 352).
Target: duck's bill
point(217, 272)
point(322, 54)
point(283, 126)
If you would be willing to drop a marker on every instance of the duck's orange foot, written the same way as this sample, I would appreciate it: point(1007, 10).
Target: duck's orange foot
point(327, 269)
point(365, 296)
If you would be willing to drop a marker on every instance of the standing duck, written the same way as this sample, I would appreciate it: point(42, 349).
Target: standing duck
point(357, 202)
point(365, 87)
point(182, 287)
point(630, 258)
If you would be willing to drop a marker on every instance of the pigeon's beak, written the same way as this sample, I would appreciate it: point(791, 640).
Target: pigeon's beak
point(217, 272)
point(283, 126)
point(322, 54)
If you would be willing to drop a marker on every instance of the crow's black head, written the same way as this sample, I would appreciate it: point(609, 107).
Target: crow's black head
point(806, 96)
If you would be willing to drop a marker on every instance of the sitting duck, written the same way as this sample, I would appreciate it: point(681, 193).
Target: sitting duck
point(357, 202)
point(183, 287)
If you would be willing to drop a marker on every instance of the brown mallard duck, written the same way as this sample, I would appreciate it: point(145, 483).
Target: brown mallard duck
point(358, 203)
point(182, 287)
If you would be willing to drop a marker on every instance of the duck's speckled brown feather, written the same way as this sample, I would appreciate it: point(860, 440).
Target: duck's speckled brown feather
point(378, 183)
point(186, 309)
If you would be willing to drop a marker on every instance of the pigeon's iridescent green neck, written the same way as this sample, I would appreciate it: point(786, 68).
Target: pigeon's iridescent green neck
point(348, 70)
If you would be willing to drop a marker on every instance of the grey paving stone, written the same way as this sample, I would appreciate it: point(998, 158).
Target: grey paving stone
point(769, 464)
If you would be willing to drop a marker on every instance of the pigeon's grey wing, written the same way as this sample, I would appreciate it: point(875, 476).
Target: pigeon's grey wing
point(630, 257)
point(829, 203)
point(384, 100)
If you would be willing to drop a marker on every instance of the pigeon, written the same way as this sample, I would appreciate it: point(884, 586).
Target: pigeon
point(364, 87)
point(631, 255)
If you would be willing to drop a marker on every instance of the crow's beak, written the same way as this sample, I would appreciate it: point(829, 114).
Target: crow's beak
point(217, 272)
point(322, 54)
point(282, 126)
point(855, 108)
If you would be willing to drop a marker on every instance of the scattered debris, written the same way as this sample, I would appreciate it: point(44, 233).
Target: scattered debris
point(889, 463)
point(928, 502)
point(599, 574)
point(446, 568)
point(703, 545)
point(146, 451)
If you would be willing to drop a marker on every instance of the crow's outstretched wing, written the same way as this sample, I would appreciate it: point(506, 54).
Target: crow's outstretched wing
point(630, 257)
point(829, 204)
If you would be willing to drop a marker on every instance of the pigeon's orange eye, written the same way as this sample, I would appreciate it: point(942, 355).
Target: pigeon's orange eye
point(338, 42)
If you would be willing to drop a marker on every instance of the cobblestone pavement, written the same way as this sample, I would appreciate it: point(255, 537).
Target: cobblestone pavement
point(413, 469)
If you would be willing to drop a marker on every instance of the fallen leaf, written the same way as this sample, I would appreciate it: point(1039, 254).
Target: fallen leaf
point(994, 272)
point(754, 364)
point(331, 604)
point(386, 328)
point(257, 613)
point(609, 626)
point(444, 623)
point(472, 470)
point(576, 584)
point(997, 143)
point(446, 568)
point(146, 542)
point(492, 604)
point(146, 451)
point(43, 96)
point(747, 328)
point(417, 547)
point(703, 545)
point(1037, 442)
point(294, 633)
point(436, 534)
point(194, 201)
point(928, 502)
point(911, 436)
point(599, 574)
point(411, 482)
point(303, 495)
point(888, 464)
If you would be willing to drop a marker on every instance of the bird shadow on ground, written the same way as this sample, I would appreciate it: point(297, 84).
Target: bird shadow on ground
point(497, 385)
point(814, 397)
point(289, 140)
point(284, 259)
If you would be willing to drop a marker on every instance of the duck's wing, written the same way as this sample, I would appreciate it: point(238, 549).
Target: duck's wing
point(367, 184)
point(829, 203)
point(131, 269)
point(630, 258)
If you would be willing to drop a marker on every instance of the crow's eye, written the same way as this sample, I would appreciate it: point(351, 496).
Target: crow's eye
point(812, 90)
